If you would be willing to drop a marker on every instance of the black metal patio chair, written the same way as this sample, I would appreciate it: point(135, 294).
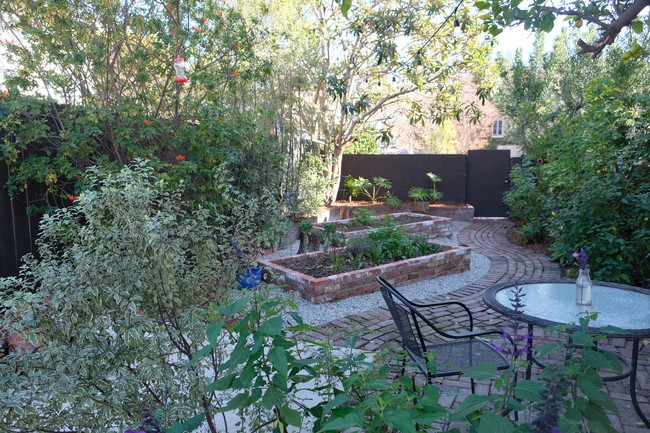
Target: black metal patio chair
point(450, 357)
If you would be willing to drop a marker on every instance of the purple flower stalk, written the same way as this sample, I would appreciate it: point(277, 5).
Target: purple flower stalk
point(497, 348)
point(515, 325)
point(550, 409)
point(582, 258)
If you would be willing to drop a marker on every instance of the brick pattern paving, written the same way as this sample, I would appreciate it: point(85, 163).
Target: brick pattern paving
point(509, 262)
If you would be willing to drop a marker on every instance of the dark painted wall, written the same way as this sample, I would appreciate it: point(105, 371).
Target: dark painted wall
point(18, 230)
point(488, 174)
point(479, 178)
point(406, 171)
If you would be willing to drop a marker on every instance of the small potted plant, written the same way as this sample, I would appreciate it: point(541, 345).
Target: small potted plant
point(420, 197)
point(304, 228)
point(424, 196)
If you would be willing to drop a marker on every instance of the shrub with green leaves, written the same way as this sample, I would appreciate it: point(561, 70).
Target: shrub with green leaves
point(592, 190)
point(391, 244)
point(116, 304)
point(312, 185)
point(434, 194)
point(272, 366)
point(525, 200)
point(392, 201)
point(419, 193)
point(53, 145)
point(364, 217)
point(374, 190)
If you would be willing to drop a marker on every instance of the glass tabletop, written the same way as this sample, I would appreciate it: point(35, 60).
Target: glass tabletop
point(553, 302)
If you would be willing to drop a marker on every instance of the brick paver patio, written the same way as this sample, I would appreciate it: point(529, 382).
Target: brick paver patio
point(509, 262)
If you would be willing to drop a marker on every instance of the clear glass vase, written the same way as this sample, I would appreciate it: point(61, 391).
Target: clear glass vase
point(583, 287)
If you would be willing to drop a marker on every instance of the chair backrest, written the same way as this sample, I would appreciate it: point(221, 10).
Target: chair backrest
point(405, 319)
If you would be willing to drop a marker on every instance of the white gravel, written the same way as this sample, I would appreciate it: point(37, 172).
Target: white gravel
point(316, 314)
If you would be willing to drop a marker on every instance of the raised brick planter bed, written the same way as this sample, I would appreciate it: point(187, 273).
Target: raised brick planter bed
point(433, 226)
point(453, 260)
point(343, 210)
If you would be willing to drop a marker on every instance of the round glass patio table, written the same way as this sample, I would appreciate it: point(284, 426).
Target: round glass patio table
point(554, 303)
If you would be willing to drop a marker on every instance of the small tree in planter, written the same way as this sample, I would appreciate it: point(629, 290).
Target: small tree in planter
point(424, 196)
point(305, 229)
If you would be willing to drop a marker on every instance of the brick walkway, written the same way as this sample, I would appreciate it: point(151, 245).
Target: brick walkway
point(509, 263)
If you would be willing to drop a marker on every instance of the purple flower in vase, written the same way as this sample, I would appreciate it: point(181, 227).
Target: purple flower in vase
point(582, 258)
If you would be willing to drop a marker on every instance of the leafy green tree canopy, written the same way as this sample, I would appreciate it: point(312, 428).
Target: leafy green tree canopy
point(609, 18)
point(542, 92)
point(363, 67)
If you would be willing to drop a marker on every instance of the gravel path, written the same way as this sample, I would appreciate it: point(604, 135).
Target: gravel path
point(317, 314)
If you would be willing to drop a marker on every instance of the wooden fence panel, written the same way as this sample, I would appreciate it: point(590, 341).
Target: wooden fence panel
point(406, 171)
point(18, 230)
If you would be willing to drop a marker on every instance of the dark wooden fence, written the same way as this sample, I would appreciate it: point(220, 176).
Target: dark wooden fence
point(18, 229)
point(406, 171)
point(479, 178)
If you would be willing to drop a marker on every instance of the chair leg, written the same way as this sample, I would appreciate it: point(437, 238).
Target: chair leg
point(473, 386)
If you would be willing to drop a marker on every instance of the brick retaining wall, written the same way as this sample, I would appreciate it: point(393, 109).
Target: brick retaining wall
point(432, 226)
point(452, 260)
point(342, 210)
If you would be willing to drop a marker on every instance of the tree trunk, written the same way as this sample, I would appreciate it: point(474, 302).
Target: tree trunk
point(335, 174)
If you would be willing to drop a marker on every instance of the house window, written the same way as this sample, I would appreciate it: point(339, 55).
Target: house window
point(497, 128)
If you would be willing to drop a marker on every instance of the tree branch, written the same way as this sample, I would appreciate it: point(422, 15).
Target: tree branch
point(611, 30)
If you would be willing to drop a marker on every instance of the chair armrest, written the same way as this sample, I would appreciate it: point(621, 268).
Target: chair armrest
point(480, 333)
point(437, 304)
point(406, 301)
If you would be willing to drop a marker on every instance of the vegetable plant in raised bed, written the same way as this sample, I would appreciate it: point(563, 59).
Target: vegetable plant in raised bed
point(341, 272)
point(365, 221)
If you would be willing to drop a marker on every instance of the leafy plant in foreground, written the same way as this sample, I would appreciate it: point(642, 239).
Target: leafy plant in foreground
point(115, 306)
point(271, 364)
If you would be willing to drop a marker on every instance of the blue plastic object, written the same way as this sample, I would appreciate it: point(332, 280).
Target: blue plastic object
point(250, 278)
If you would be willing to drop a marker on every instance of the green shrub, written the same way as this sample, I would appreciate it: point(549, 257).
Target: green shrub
point(116, 303)
point(54, 145)
point(311, 185)
point(392, 201)
point(593, 189)
point(525, 201)
point(364, 217)
point(391, 245)
point(434, 193)
point(419, 193)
